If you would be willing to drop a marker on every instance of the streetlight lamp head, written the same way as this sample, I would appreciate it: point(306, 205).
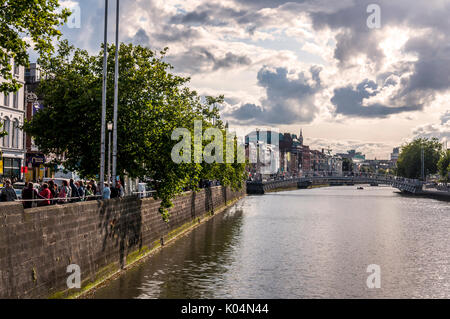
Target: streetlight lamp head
point(110, 126)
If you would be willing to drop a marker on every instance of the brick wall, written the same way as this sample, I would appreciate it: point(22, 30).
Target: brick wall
point(37, 245)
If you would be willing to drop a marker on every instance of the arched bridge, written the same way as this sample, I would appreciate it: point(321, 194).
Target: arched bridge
point(403, 184)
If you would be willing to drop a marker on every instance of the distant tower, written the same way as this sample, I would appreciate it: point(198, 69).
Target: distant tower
point(301, 137)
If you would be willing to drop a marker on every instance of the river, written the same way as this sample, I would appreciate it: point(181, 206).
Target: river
point(310, 243)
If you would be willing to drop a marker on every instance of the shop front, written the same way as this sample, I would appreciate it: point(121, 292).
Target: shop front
point(36, 168)
point(11, 168)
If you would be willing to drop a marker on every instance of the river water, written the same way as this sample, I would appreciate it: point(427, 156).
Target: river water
point(311, 243)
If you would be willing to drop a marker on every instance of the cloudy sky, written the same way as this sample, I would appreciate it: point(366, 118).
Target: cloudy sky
point(310, 64)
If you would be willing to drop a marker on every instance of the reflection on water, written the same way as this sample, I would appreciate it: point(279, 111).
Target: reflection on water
point(314, 243)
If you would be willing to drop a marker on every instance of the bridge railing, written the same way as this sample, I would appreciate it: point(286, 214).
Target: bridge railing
point(389, 179)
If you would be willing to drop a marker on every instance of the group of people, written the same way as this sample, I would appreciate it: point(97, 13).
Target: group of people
point(69, 192)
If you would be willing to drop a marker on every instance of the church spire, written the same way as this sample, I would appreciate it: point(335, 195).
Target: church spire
point(301, 137)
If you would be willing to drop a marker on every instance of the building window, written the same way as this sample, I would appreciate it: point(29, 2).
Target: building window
point(15, 134)
point(11, 167)
point(16, 99)
point(16, 69)
point(6, 99)
point(6, 128)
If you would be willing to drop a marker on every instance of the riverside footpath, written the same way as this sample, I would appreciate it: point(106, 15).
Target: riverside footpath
point(100, 238)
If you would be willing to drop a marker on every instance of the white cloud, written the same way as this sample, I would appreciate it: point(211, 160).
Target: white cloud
point(224, 44)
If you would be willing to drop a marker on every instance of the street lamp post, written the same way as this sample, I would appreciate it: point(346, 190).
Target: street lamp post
point(422, 153)
point(110, 128)
point(102, 142)
point(116, 93)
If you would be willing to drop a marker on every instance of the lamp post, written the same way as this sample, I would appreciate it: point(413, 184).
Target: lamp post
point(422, 155)
point(116, 97)
point(102, 142)
point(110, 128)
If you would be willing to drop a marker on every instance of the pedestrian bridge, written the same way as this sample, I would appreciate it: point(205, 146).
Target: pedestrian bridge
point(412, 186)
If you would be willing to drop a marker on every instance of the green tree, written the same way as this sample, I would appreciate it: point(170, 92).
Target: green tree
point(24, 23)
point(347, 165)
point(409, 163)
point(444, 165)
point(152, 103)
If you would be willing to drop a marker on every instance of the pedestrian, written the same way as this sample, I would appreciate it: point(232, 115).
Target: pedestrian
point(94, 187)
point(81, 190)
point(65, 192)
point(114, 192)
point(121, 190)
point(8, 193)
point(45, 194)
point(117, 191)
point(54, 190)
point(74, 192)
point(106, 192)
point(89, 194)
point(29, 193)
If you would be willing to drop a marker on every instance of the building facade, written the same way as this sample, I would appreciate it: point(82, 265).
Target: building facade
point(262, 152)
point(395, 154)
point(12, 115)
point(37, 164)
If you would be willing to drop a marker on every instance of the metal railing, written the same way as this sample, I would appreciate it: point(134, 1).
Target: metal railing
point(57, 200)
point(144, 194)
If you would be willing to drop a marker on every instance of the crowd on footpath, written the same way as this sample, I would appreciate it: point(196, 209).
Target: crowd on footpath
point(48, 193)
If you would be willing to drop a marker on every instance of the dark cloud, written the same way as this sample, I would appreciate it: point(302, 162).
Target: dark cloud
point(289, 100)
point(230, 60)
point(432, 69)
point(349, 102)
point(216, 15)
point(194, 17)
point(247, 112)
point(354, 37)
point(140, 38)
point(429, 73)
point(202, 59)
point(172, 34)
point(268, 3)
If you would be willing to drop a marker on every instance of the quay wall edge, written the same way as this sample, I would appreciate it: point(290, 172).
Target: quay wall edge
point(101, 237)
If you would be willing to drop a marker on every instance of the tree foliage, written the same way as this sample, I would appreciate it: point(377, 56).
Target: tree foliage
point(22, 23)
point(444, 165)
point(152, 103)
point(409, 163)
point(347, 165)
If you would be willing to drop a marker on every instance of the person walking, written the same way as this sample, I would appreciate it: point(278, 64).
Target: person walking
point(8, 193)
point(46, 194)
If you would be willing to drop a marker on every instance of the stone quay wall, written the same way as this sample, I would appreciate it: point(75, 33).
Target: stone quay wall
point(102, 237)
